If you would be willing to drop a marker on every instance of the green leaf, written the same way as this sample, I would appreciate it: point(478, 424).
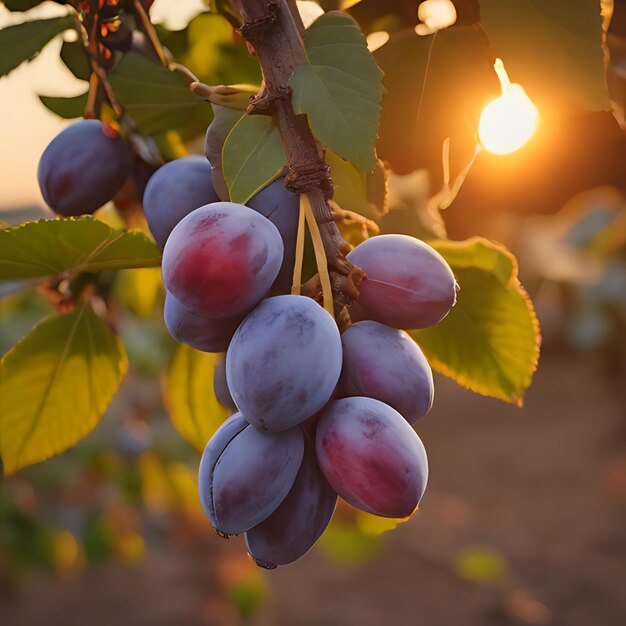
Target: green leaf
point(55, 384)
point(350, 183)
point(340, 89)
point(223, 121)
point(253, 156)
point(489, 342)
point(22, 42)
point(21, 5)
point(156, 98)
point(437, 86)
point(74, 56)
point(51, 247)
point(553, 48)
point(193, 407)
point(67, 108)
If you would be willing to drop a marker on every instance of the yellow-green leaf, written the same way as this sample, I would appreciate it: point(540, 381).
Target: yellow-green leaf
point(139, 289)
point(55, 384)
point(50, 247)
point(489, 342)
point(188, 389)
point(351, 189)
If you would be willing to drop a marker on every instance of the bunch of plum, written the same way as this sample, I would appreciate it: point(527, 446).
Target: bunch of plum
point(317, 413)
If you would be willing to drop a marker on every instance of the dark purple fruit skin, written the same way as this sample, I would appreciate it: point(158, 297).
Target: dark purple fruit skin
point(82, 168)
point(371, 456)
point(202, 333)
point(213, 450)
point(281, 207)
point(283, 362)
point(220, 386)
point(386, 364)
point(245, 474)
point(174, 191)
point(294, 527)
point(142, 173)
point(408, 284)
point(221, 259)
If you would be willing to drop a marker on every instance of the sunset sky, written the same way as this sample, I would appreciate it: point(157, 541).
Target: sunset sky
point(26, 126)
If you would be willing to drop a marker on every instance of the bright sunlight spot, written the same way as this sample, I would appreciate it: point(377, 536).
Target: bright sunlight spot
point(435, 15)
point(377, 39)
point(507, 123)
point(309, 11)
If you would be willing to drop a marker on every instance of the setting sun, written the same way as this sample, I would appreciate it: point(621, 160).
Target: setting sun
point(508, 122)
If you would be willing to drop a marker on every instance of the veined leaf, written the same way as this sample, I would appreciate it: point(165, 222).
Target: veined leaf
point(489, 342)
point(156, 98)
point(51, 247)
point(55, 384)
point(21, 42)
point(340, 89)
point(252, 157)
point(552, 47)
point(188, 389)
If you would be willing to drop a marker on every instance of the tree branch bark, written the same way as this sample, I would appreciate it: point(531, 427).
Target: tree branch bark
point(270, 29)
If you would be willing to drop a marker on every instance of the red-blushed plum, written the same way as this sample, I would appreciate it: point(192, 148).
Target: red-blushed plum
point(174, 191)
point(220, 386)
point(281, 207)
point(283, 362)
point(386, 364)
point(202, 333)
point(292, 529)
point(245, 474)
point(371, 456)
point(83, 167)
point(408, 283)
point(221, 259)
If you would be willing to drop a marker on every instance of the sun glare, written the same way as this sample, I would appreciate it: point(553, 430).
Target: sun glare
point(507, 123)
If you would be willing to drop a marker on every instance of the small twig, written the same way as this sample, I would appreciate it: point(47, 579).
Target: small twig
point(295, 14)
point(148, 29)
point(350, 217)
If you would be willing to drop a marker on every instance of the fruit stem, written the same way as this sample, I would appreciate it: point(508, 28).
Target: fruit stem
point(320, 255)
point(296, 283)
point(270, 29)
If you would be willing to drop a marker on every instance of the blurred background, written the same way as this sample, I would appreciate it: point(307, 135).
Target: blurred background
point(524, 518)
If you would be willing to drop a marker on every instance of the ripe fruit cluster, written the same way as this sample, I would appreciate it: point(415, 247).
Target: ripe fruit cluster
point(318, 413)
